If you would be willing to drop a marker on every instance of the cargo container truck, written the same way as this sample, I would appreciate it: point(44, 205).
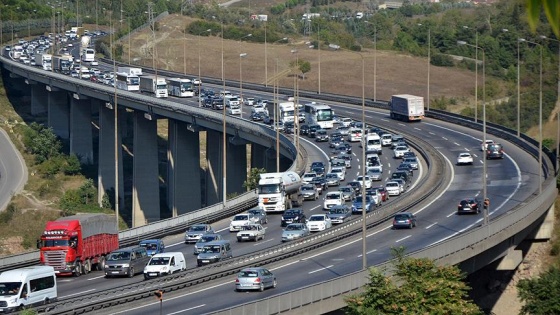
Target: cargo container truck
point(153, 85)
point(407, 107)
point(44, 61)
point(62, 64)
point(130, 70)
point(78, 244)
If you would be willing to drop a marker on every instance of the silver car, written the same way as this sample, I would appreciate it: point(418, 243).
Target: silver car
point(310, 192)
point(206, 238)
point(339, 214)
point(260, 215)
point(294, 231)
point(348, 193)
point(332, 179)
point(195, 232)
point(257, 278)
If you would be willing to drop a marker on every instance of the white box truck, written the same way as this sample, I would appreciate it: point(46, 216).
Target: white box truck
point(130, 70)
point(26, 287)
point(407, 107)
point(44, 61)
point(279, 191)
point(153, 85)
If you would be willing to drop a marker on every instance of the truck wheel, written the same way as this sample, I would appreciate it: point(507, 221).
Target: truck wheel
point(86, 267)
point(78, 269)
point(100, 263)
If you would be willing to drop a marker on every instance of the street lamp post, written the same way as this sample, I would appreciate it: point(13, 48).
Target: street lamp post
point(241, 100)
point(199, 79)
point(275, 98)
point(484, 153)
point(296, 104)
point(540, 108)
point(429, 60)
point(475, 76)
point(505, 30)
point(557, 102)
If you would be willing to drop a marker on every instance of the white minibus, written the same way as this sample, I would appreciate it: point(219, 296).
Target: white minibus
point(29, 286)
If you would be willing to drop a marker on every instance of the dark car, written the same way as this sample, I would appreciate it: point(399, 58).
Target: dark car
point(356, 185)
point(469, 205)
point(408, 155)
point(321, 183)
point(494, 151)
point(404, 219)
point(406, 167)
point(293, 216)
point(289, 128)
point(318, 164)
point(321, 135)
point(313, 130)
point(304, 130)
point(402, 175)
point(320, 170)
point(339, 214)
point(257, 116)
point(336, 141)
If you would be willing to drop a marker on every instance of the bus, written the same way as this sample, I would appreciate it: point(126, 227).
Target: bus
point(89, 55)
point(319, 114)
point(180, 87)
point(128, 82)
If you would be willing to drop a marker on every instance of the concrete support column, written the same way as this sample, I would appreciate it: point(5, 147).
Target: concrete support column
point(39, 99)
point(59, 113)
point(145, 181)
point(106, 165)
point(214, 177)
point(258, 156)
point(236, 168)
point(183, 169)
point(81, 142)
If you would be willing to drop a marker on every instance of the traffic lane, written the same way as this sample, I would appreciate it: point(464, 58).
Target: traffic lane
point(13, 171)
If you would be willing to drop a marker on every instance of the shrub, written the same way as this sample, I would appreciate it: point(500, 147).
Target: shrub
point(442, 60)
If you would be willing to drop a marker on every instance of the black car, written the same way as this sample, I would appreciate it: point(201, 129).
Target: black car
point(402, 175)
point(313, 130)
point(304, 130)
point(321, 135)
point(320, 170)
point(406, 167)
point(268, 120)
point(469, 205)
point(318, 164)
point(257, 116)
point(295, 215)
point(321, 183)
point(348, 147)
point(409, 154)
point(289, 128)
point(494, 151)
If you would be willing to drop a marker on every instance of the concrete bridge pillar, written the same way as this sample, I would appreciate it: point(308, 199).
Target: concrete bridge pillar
point(81, 141)
point(258, 156)
point(106, 156)
point(236, 166)
point(183, 169)
point(58, 112)
point(510, 261)
point(145, 181)
point(544, 230)
point(39, 100)
point(214, 177)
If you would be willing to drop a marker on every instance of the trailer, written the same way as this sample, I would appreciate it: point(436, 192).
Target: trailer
point(44, 61)
point(62, 64)
point(279, 191)
point(407, 107)
point(153, 85)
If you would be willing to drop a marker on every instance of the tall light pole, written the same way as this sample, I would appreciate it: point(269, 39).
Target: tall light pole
point(484, 153)
point(223, 77)
point(199, 79)
point(265, 60)
point(505, 30)
point(540, 108)
point(475, 76)
point(375, 62)
point(275, 99)
point(319, 62)
point(241, 100)
point(296, 104)
point(557, 102)
point(429, 60)
point(364, 226)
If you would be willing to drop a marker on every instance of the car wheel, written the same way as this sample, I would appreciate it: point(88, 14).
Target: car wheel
point(261, 287)
point(274, 283)
point(410, 226)
point(130, 272)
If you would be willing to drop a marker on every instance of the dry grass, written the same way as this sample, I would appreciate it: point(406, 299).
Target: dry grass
point(340, 70)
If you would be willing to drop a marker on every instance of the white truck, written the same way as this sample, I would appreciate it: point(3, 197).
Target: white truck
point(130, 70)
point(286, 111)
point(279, 191)
point(44, 61)
point(154, 85)
point(62, 64)
point(407, 107)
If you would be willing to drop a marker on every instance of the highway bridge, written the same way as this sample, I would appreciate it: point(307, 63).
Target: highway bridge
point(315, 274)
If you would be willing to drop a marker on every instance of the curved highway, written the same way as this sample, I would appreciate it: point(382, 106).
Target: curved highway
point(438, 221)
point(13, 171)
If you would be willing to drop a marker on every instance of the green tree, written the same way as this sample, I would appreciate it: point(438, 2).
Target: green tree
point(304, 67)
point(418, 286)
point(253, 180)
point(540, 295)
point(551, 9)
point(72, 165)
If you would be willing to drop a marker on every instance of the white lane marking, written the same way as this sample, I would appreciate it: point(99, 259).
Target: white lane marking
point(417, 128)
point(401, 124)
point(78, 293)
point(383, 119)
point(467, 149)
point(171, 245)
point(315, 208)
point(451, 214)
point(367, 253)
point(321, 269)
point(457, 144)
point(444, 138)
point(429, 226)
point(187, 309)
point(475, 155)
point(481, 161)
point(402, 239)
point(432, 133)
point(263, 241)
point(224, 229)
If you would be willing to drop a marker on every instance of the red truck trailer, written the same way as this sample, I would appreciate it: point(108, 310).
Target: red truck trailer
point(76, 244)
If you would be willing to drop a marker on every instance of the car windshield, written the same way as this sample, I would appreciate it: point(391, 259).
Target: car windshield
point(118, 256)
point(294, 227)
point(155, 261)
point(149, 246)
point(248, 274)
point(211, 249)
point(333, 196)
point(359, 199)
point(255, 212)
point(197, 228)
point(307, 188)
point(401, 217)
point(290, 212)
point(206, 239)
point(394, 184)
point(9, 288)
point(335, 170)
point(269, 189)
point(345, 189)
point(331, 176)
point(241, 218)
point(337, 210)
point(316, 218)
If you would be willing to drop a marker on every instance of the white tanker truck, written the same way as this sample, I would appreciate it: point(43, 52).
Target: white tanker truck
point(279, 191)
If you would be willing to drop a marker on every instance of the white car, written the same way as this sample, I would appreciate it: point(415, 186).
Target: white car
point(483, 146)
point(239, 220)
point(332, 199)
point(94, 63)
point(318, 222)
point(393, 188)
point(464, 158)
point(386, 139)
point(346, 121)
point(340, 172)
point(364, 179)
point(249, 101)
point(233, 109)
point(399, 151)
point(308, 177)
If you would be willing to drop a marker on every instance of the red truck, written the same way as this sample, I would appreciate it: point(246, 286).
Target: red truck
point(76, 244)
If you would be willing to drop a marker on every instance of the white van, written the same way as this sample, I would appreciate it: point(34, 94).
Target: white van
point(373, 143)
point(27, 286)
point(165, 264)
